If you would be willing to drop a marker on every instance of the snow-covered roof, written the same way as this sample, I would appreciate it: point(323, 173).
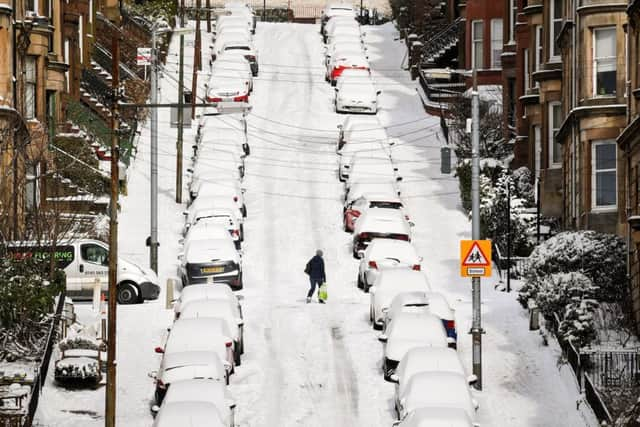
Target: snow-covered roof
point(207, 230)
point(439, 389)
point(200, 390)
point(425, 359)
point(188, 414)
point(211, 250)
point(416, 326)
point(403, 280)
point(437, 417)
point(203, 334)
point(209, 308)
point(399, 249)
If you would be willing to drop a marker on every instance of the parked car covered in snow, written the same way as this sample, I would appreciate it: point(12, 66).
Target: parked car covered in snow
point(189, 414)
point(206, 292)
point(338, 21)
point(212, 228)
point(224, 87)
point(185, 365)
point(360, 129)
point(437, 390)
point(390, 283)
point(335, 9)
point(345, 31)
point(436, 417)
point(357, 207)
point(200, 207)
point(361, 189)
point(203, 390)
point(205, 261)
point(233, 65)
point(222, 186)
point(242, 49)
point(205, 308)
point(356, 96)
point(409, 330)
point(225, 218)
point(382, 254)
point(372, 169)
point(339, 63)
point(380, 223)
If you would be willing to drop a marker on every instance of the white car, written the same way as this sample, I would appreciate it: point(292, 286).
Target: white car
point(376, 162)
point(355, 208)
point(372, 169)
point(231, 65)
point(212, 228)
point(205, 292)
point(390, 283)
point(361, 189)
point(383, 254)
point(407, 331)
point(356, 96)
point(189, 414)
point(339, 63)
point(206, 391)
point(436, 417)
point(379, 223)
point(223, 217)
point(339, 21)
point(336, 9)
point(354, 75)
point(234, 215)
point(208, 158)
point(223, 87)
point(437, 390)
point(205, 308)
point(432, 302)
point(200, 205)
point(242, 49)
point(365, 147)
point(345, 31)
point(201, 335)
point(225, 187)
point(360, 128)
point(185, 365)
point(342, 44)
point(425, 359)
point(211, 261)
point(239, 19)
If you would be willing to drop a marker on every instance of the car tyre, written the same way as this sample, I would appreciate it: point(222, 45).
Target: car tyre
point(359, 282)
point(370, 314)
point(127, 293)
point(385, 369)
point(236, 355)
point(376, 326)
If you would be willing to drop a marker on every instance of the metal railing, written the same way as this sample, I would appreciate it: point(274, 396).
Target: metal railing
point(103, 57)
point(441, 41)
point(595, 400)
point(95, 86)
point(611, 369)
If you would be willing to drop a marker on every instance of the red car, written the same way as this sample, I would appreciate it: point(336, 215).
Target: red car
point(339, 64)
point(354, 209)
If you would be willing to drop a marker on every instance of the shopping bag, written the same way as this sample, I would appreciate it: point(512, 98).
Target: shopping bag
point(322, 292)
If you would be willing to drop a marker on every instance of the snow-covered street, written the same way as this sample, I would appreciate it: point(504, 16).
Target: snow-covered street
point(310, 364)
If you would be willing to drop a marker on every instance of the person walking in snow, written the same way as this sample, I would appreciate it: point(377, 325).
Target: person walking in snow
point(315, 270)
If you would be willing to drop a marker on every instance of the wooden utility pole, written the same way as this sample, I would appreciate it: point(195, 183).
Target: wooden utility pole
point(110, 412)
point(208, 16)
point(196, 61)
point(180, 113)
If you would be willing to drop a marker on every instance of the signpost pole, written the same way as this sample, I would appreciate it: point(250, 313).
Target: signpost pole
point(476, 326)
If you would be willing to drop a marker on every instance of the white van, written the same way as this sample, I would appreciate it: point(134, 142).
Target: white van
point(84, 260)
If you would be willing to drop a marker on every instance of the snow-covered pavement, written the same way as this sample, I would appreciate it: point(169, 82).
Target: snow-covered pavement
point(318, 365)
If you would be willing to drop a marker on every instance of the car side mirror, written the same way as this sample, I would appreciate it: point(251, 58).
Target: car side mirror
point(155, 409)
point(336, 89)
point(190, 170)
point(159, 350)
point(153, 374)
point(382, 338)
point(394, 378)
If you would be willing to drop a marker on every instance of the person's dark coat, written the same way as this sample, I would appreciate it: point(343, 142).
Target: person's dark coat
point(316, 268)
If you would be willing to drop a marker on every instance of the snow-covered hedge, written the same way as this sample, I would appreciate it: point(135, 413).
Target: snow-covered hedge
point(599, 256)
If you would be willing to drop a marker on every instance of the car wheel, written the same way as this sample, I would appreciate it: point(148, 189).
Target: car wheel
point(226, 377)
point(236, 355)
point(376, 326)
point(365, 285)
point(370, 314)
point(385, 370)
point(359, 282)
point(244, 211)
point(127, 293)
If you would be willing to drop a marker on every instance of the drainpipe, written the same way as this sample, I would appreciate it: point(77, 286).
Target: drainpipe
point(15, 57)
point(627, 149)
point(574, 125)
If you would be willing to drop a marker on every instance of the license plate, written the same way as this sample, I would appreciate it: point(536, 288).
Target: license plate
point(209, 270)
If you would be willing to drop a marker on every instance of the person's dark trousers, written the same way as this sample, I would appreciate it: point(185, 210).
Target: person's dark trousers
point(314, 282)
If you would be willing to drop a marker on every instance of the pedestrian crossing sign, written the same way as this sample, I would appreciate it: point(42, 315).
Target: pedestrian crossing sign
point(475, 258)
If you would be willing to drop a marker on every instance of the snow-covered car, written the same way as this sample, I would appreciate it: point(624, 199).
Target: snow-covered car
point(231, 35)
point(220, 186)
point(235, 18)
point(227, 88)
point(208, 159)
point(211, 261)
point(234, 215)
point(186, 365)
point(362, 148)
point(390, 283)
point(231, 65)
point(201, 335)
point(436, 417)
point(361, 189)
point(221, 309)
point(425, 359)
point(242, 9)
point(235, 26)
point(344, 44)
point(222, 217)
point(354, 75)
point(409, 330)
point(85, 260)
point(437, 390)
point(211, 229)
point(205, 292)
point(336, 9)
point(356, 96)
point(360, 128)
point(339, 63)
point(200, 206)
point(189, 414)
point(339, 21)
point(242, 49)
point(380, 223)
point(371, 169)
point(207, 391)
point(383, 254)
point(353, 210)
point(345, 31)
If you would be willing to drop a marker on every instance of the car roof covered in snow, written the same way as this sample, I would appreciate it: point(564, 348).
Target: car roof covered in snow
point(360, 189)
point(211, 201)
point(415, 326)
point(188, 414)
point(385, 248)
point(357, 88)
point(402, 279)
point(209, 229)
point(211, 250)
point(200, 390)
point(383, 220)
point(201, 334)
point(437, 417)
point(208, 308)
point(439, 389)
point(425, 359)
point(205, 291)
point(180, 365)
point(352, 60)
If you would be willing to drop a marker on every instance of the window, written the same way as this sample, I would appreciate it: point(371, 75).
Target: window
point(30, 87)
point(81, 38)
point(537, 146)
point(603, 175)
point(555, 120)
point(511, 92)
point(31, 6)
point(513, 16)
point(554, 29)
point(94, 254)
point(496, 43)
point(539, 50)
point(31, 188)
point(526, 78)
point(604, 61)
point(476, 44)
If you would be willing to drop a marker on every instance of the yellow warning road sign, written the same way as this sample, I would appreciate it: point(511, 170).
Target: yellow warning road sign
point(475, 258)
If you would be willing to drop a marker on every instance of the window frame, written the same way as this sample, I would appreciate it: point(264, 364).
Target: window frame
point(595, 171)
point(551, 135)
point(526, 75)
point(496, 63)
point(554, 56)
point(595, 60)
point(474, 41)
point(30, 82)
point(513, 16)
